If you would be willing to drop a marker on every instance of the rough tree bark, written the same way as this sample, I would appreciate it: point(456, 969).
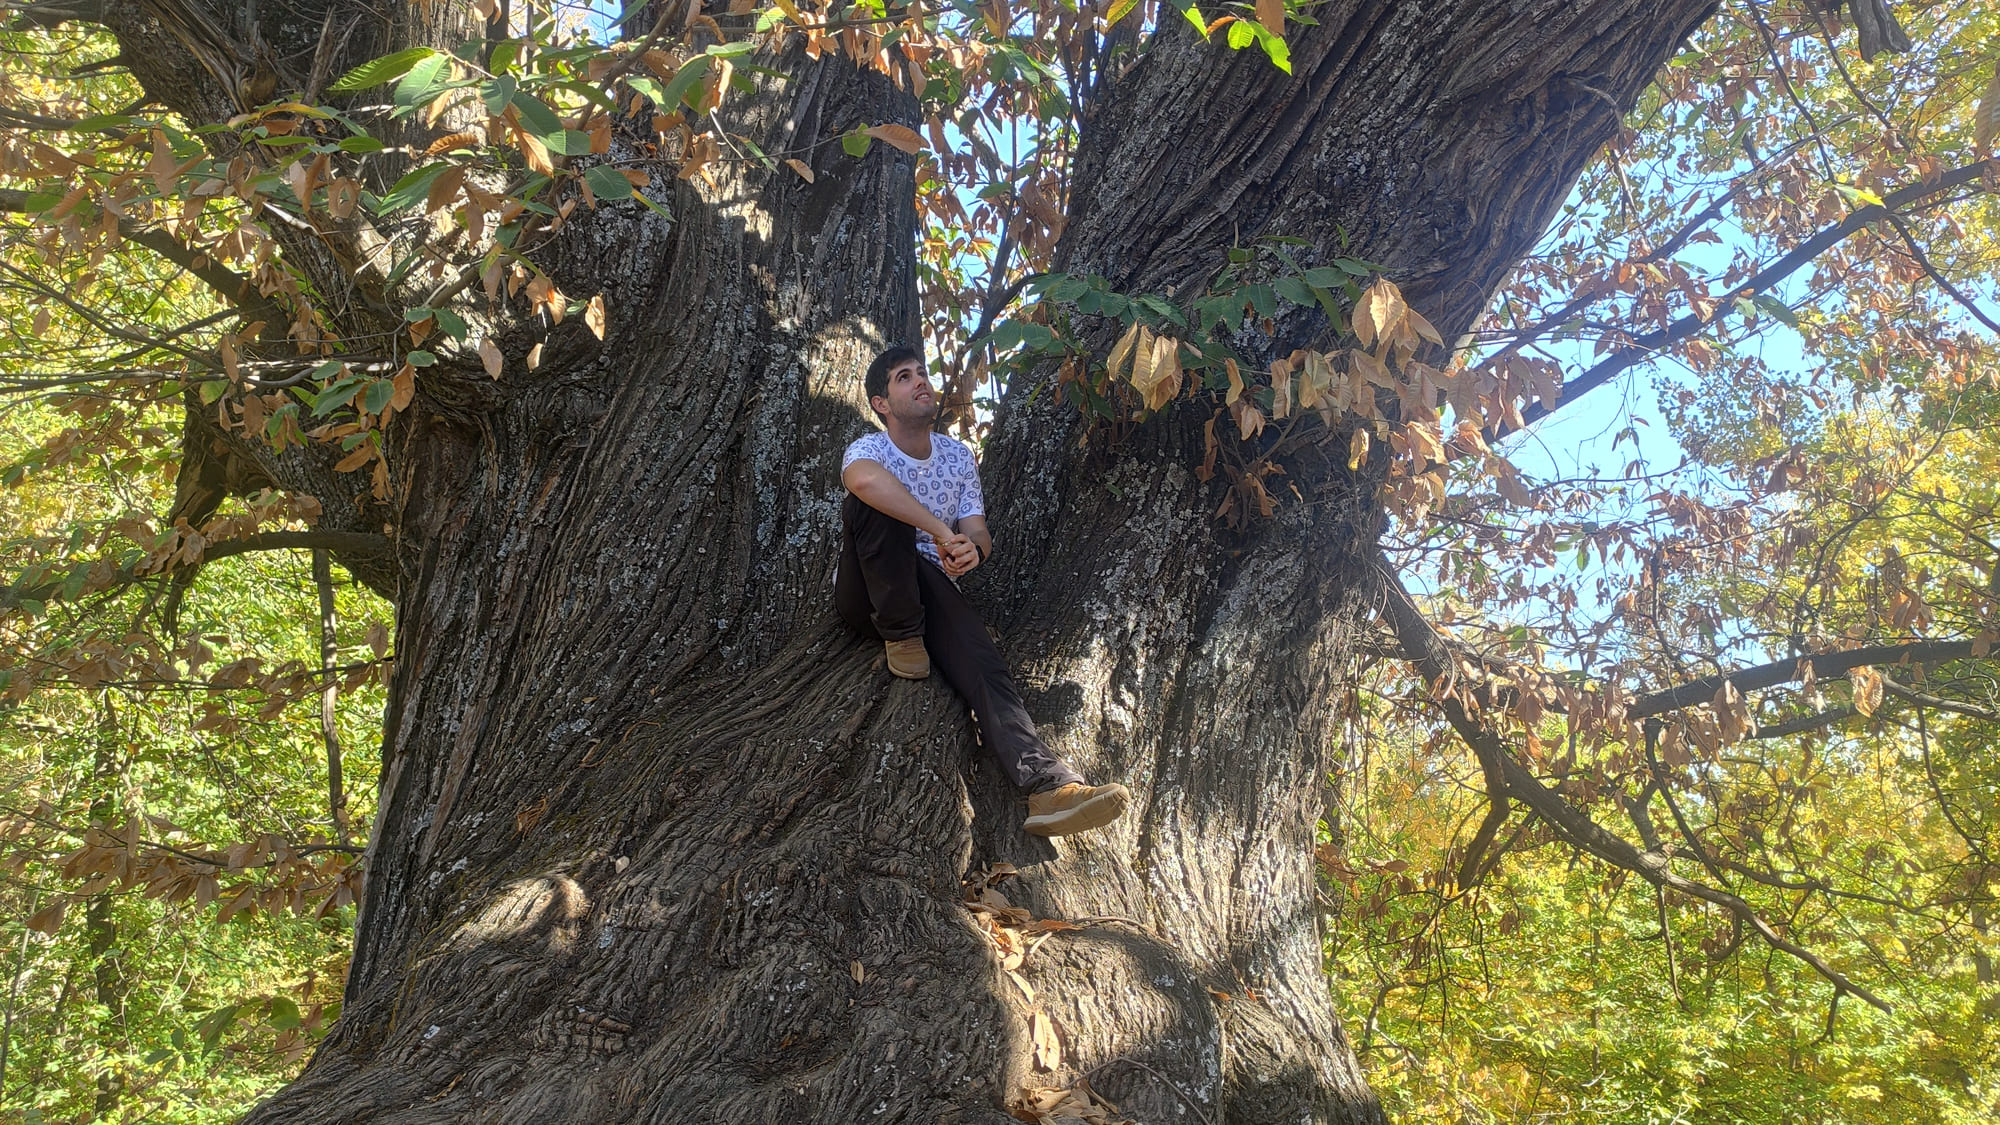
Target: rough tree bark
point(645, 807)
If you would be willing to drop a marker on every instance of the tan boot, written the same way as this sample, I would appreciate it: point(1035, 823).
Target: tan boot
point(908, 658)
point(1075, 808)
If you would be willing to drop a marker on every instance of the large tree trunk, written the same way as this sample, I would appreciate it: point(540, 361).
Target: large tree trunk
point(659, 841)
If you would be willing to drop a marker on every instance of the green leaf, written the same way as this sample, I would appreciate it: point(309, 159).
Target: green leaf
point(608, 184)
point(213, 1026)
point(1262, 298)
point(388, 68)
point(411, 188)
point(420, 358)
point(361, 144)
point(1295, 290)
point(1274, 46)
point(1240, 35)
point(425, 81)
point(856, 144)
point(379, 393)
point(337, 396)
point(1778, 309)
point(686, 80)
point(497, 93)
point(567, 142)
point(284, 1014)
point(536, 116)
point(1194, 16)
point(648, 89)
point(451, 324)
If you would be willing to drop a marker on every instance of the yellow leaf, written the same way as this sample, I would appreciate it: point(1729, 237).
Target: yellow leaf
point(899, 136)
point(593, 316)
point(1119, 10)
point(1157, 376)
point(1423, 327)
point(1121, 350)
point(1357, 448)
point(490, 358)
point(801, 167)
point(1249, 419)
point(1048, 1048)
point(1271, 13)
point(1379, 311)
point(1986, 119)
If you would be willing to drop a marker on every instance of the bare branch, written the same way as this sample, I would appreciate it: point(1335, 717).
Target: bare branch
point(1783, 671)
point(355, 542)
point(1434, 659)
point(231, 285)
point(1644, 347)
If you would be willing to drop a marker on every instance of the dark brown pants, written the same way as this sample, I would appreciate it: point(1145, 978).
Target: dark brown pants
point(886, 589)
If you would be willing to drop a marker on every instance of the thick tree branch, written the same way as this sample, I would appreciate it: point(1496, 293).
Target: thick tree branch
point(352, 542)
point(1646, 346)
point(1433, 659)
point(1782, 671)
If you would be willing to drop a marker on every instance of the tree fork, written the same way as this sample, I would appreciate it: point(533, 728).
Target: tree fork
point(657, 841)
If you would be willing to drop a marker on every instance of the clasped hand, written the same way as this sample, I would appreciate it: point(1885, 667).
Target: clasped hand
point(957, 554)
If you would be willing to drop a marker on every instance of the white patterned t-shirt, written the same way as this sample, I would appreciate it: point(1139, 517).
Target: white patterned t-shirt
point(947, 482)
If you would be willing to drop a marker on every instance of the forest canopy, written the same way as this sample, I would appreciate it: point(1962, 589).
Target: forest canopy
point(1668, 776)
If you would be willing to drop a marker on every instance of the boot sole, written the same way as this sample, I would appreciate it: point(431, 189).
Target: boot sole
point(1094, 813)
point(900, 674)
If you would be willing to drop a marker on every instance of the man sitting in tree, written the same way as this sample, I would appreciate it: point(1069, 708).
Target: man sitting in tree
point(913, 522)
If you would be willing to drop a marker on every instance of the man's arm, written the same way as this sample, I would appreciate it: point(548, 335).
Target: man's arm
point(878, 488)
point(974, 528)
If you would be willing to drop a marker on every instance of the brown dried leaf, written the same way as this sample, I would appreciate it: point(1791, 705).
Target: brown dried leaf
point(49, 918)
point(1867, 689)
point(801, 167)
point(593, 316)
point(451, 141)
point(1271, 13)
point(855, 970)
point(899, 136)
point(490, 358)
point(1986, 119)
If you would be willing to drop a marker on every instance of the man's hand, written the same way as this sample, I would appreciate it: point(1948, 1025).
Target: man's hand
point(957, 554)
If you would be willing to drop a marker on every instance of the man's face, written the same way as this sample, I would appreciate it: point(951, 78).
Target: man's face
point(911, 397)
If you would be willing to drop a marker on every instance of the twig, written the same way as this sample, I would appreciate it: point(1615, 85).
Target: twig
point(1186, 1098)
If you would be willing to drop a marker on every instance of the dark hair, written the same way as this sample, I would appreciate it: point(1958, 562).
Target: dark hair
point(876, 382)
